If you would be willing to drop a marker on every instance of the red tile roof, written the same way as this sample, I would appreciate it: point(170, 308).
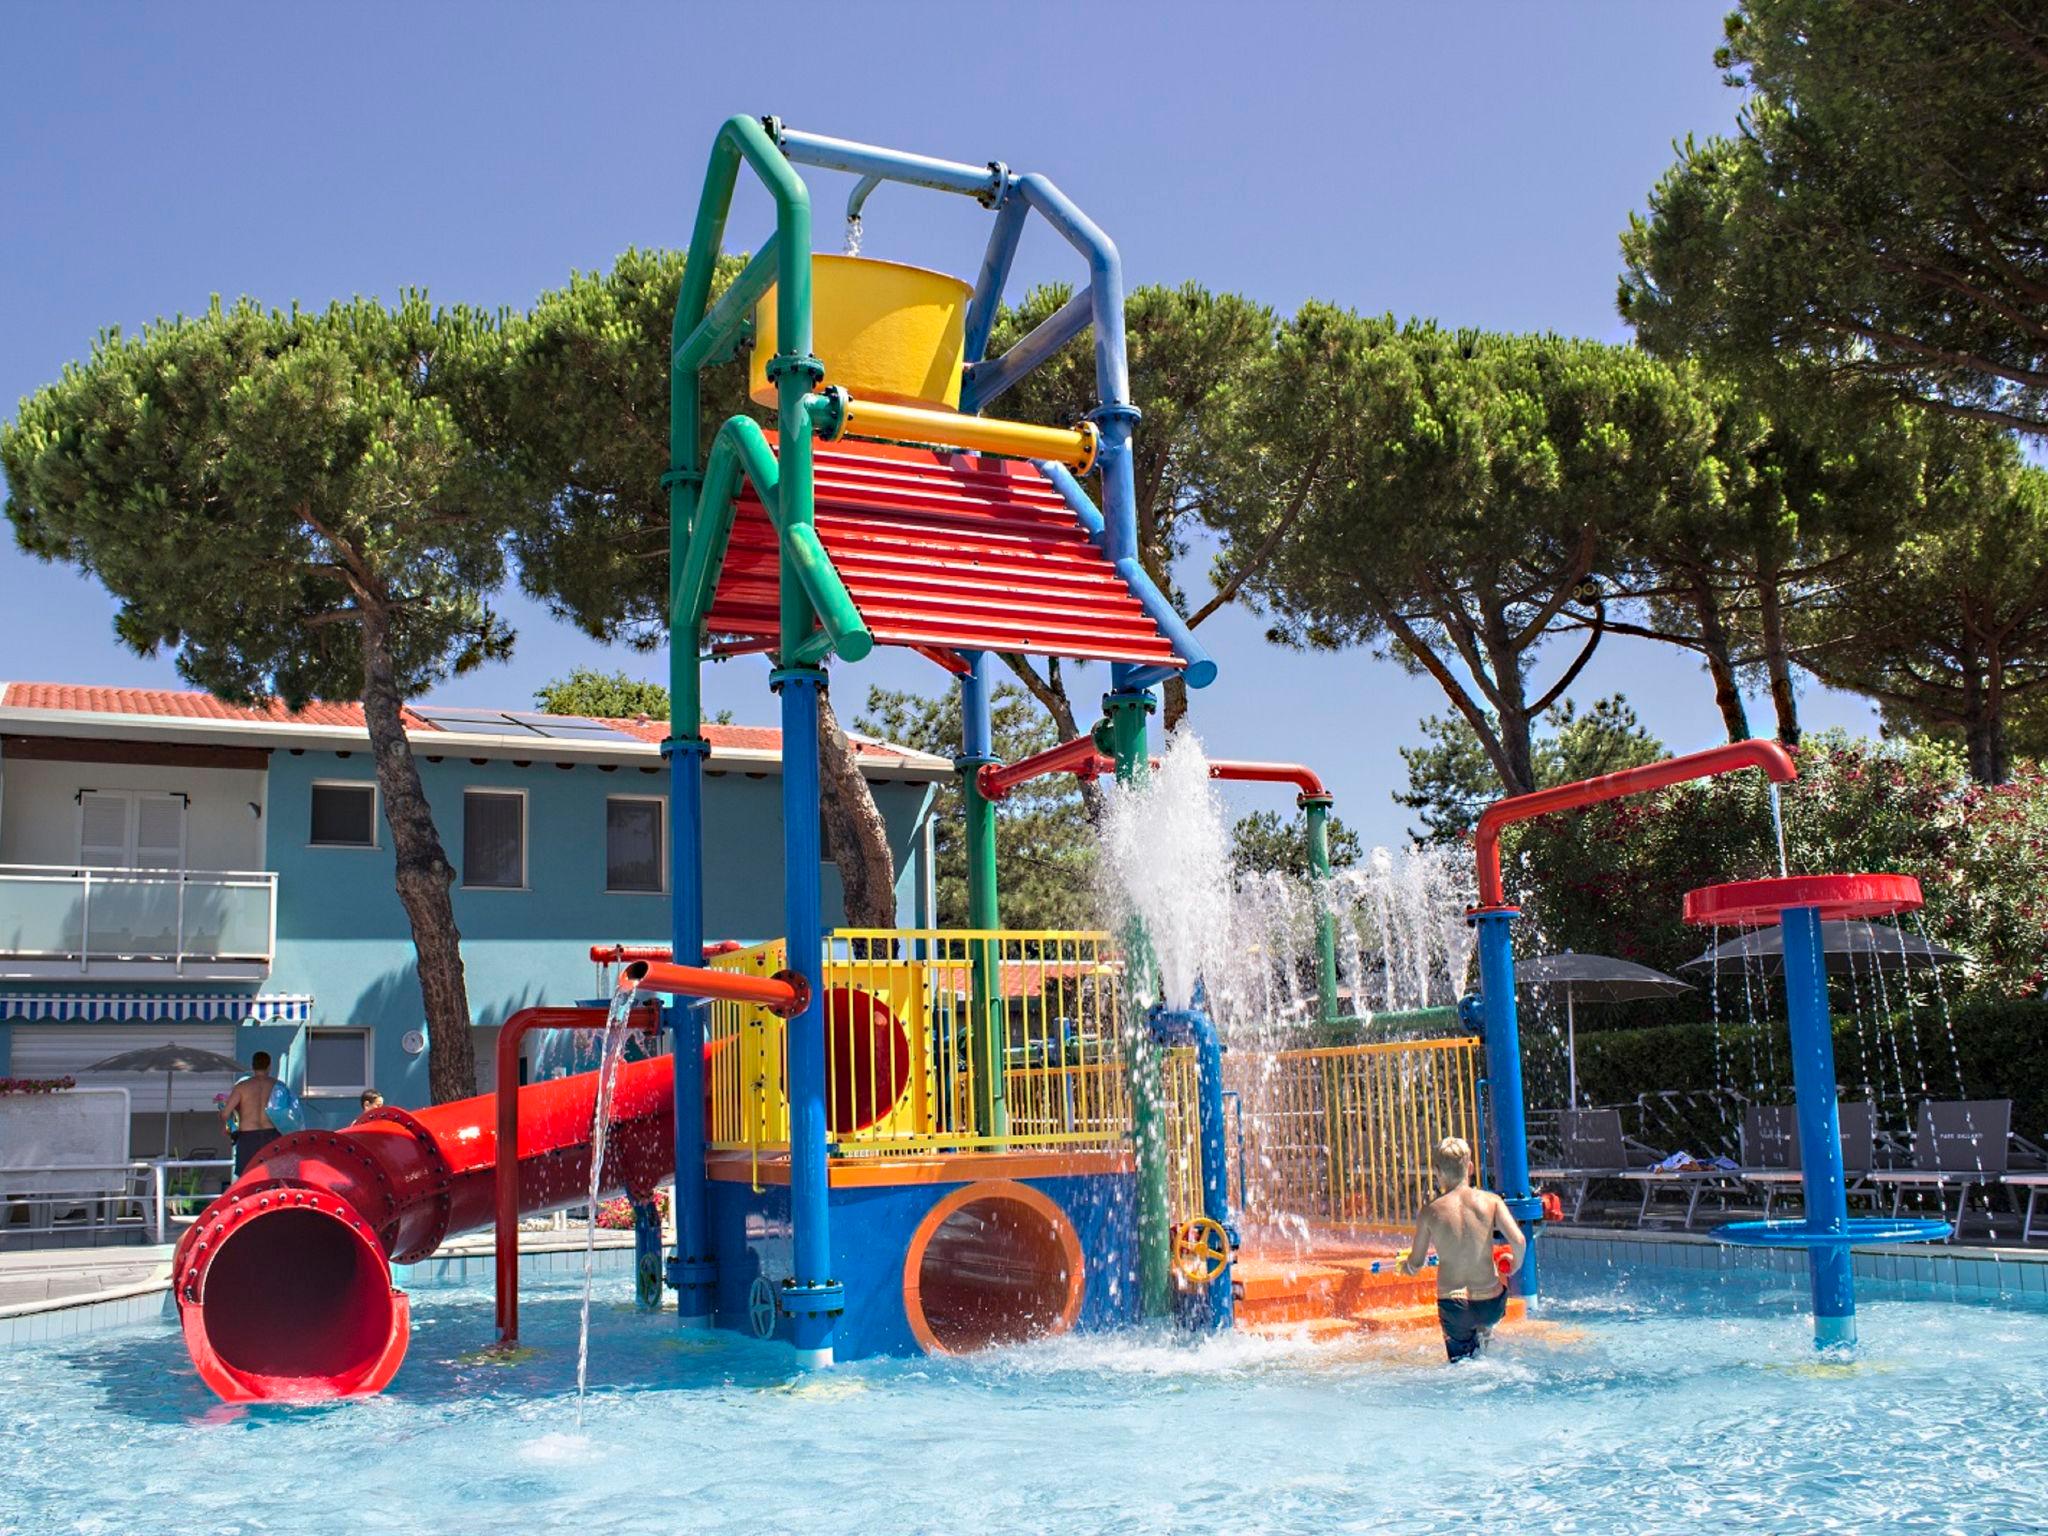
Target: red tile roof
point(172, 704)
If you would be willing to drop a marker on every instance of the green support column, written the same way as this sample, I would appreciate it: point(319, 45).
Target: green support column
point(1124, 717)
point(1316, 808)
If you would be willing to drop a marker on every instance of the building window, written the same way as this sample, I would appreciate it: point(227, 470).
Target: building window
point(337, 1062)
point(494, 838)
point(131, 829)
point(344, 816)
point(632, 844)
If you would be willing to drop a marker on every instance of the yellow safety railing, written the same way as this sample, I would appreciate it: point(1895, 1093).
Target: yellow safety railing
point(985, 1040)
point(935, 1040)
point(1343, 1134)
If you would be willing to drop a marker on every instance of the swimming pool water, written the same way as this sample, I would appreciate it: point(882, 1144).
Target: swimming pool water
point(1635, 1405)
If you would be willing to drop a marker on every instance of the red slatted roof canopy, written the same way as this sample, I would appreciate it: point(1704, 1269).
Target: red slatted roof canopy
point(945, 551)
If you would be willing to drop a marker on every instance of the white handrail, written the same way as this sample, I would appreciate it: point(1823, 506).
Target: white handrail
point(98, 882)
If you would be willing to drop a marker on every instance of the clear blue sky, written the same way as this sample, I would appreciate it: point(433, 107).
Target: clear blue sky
point(1472, 163)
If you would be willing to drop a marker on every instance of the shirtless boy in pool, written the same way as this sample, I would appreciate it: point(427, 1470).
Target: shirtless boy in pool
point(1471, 1296)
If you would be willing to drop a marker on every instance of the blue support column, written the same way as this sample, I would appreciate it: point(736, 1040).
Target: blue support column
point(1820, 1127)
point(1508, 1121)
point(693, 1271)
point(647, 1255)
point(1211, 1309)
point(811, 1297)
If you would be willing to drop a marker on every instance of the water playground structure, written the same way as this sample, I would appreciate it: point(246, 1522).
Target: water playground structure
point(887, 1141)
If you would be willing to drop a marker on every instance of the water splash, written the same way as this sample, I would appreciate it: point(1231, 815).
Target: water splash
point(617, 1027)
point(853, 235)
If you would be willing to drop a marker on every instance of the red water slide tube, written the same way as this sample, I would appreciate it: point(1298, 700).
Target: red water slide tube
point(1775, 761)
point(284, 1284)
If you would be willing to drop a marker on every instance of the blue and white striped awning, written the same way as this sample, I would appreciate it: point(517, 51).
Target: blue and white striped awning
point(264, 1008)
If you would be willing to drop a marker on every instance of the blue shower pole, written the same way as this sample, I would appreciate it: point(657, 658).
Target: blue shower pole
point(1508, 1121)
point(810, 1296)
point(1829, 1264)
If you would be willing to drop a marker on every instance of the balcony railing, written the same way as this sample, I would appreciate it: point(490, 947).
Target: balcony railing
point(60, 920)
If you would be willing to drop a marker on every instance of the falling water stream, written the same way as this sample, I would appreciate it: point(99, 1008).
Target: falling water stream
point(617, 1027)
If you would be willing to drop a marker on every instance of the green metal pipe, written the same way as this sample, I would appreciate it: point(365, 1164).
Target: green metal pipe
point(1124, 716)
point(1316, 810)
point(844, 627)
point(741, 138)
point(722, 322)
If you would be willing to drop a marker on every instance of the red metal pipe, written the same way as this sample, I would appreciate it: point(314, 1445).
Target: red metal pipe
point(614, 954)
point(997, 780)
point(1772, 758)
point(508, 1172)
point(1240, 771)
point(284, 1284)
point(1081, 757)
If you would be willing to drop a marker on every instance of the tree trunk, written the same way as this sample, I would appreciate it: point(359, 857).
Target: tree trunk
point(423, 872)
point(1175, 690)
point(856, 837)
point(1051, 693)
point(1777, 656)
point(1985, 739)
point(1714, 645)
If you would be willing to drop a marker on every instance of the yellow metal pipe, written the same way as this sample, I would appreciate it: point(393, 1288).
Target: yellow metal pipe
point(1074, 447)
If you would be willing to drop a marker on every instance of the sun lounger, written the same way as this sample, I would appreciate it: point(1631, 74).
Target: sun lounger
point(1770, 1150)
point(2033, 1184)
point(1962, 1145)
point(1594, 1148)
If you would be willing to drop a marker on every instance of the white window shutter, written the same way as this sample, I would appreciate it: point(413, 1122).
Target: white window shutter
point(103, 829)
point(159, 831)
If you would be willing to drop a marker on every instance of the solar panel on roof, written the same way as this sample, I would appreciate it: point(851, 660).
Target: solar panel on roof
point(521, 723)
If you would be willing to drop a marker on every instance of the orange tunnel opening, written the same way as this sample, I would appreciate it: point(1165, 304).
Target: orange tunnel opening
point(992, 1264)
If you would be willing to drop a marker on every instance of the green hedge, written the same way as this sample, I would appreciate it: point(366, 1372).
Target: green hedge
point(2001, 1045)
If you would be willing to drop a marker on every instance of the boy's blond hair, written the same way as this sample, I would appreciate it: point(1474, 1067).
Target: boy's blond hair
point(1452, 1159)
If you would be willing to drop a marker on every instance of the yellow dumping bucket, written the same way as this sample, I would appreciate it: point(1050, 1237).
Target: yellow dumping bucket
point(884, 331)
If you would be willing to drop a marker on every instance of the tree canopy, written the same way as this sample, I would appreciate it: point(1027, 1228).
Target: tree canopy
point(311, 505)
point(1474, 487)
point(1266, 842)
point(1450, 780)
point(1880, 217)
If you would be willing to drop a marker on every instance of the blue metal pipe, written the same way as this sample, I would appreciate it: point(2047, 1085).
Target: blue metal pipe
point(694, 1270)
point(857, 199)
point(1829, 1265)
point(828, 154)
point(811, 1297)
point(1508, 1124)
point(996, 262)
point(1200, 670)
point(977, 728)
point(985, 382)
point(1192, 1026)
point(1105, 282)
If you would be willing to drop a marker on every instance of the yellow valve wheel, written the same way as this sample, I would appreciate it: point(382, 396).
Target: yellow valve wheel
point(1201, 1250)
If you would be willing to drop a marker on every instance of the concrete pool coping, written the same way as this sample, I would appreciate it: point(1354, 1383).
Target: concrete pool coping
point(99, 1290)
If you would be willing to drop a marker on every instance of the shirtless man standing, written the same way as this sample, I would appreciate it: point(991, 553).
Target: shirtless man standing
point(248, 1106)
point(1471, 1295)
